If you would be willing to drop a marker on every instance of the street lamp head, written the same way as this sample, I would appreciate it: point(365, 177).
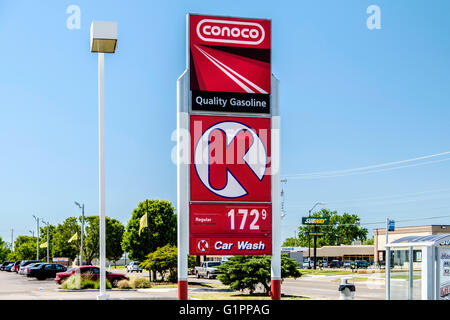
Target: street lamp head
point(103, 36)
point(77, 204)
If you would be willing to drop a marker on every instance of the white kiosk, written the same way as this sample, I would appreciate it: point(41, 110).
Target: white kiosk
point(426, 264)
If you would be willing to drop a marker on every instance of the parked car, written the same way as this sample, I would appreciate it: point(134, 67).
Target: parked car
point(15, 267)
point(8, 267)
point(361, 264)
point(134, 266)
point(24, 264)
point(308, 264)
point(4, 264)
point(208, 269)
point(45, 270)
point(31, 265)
point(91, 272)
point(347, 264)
point(335, 264)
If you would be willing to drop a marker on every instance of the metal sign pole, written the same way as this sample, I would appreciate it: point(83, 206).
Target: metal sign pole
point(276, 192)
point(183, 160)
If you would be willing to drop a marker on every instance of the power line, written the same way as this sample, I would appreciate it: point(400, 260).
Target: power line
point(368, 169)
point(434, 192)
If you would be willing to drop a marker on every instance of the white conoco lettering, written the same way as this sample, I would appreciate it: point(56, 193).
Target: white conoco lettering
point(215, 30)
point(207, 32)
point(239, 32)
point(254, 33)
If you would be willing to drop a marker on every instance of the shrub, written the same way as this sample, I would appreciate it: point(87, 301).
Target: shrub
point(75, 282)
point(139, 282)
point(123, 284)
point(246, 272)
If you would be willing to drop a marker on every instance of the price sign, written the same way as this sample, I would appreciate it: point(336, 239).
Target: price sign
point(230, 229)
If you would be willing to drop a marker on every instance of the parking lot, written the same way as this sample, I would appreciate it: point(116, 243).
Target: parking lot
point(18, 287)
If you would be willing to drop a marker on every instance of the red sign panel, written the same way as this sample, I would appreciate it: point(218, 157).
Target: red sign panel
point(219, 245)
point(232, 219)
point(229, 54)
point(230, 159)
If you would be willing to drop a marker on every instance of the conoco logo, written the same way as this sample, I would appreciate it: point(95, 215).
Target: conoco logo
point(226, 31)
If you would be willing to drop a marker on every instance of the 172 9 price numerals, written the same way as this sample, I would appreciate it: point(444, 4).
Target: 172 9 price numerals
point(248, 217)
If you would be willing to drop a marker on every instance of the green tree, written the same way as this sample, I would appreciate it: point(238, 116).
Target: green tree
point(246, 272)
point(4, 250)
point(114, 235)
point(25, 248)
point(290, 242)
point(342, 229)
point(59, 246)
point(161, 230)
point(368, 241)
point(164, 260)
point(114, 231)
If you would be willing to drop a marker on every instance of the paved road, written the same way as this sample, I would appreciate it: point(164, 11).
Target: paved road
point(326, 288)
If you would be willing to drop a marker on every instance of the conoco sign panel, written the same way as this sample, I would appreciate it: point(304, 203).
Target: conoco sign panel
point(230, 159)
point(229, 54)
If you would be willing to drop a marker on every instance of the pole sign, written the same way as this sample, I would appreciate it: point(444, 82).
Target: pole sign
point(312, 221)
point(230, 207)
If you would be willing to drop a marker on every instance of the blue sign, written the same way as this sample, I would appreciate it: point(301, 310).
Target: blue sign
point(391, 225)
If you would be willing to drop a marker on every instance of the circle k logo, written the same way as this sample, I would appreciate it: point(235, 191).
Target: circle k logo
point(239, 144)
point(227, 31)
point(202, 245)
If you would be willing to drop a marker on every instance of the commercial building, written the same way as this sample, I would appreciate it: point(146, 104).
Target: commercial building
point(343, 253)
point(379, 236)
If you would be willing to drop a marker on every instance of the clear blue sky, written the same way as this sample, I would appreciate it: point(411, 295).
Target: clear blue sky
point(350, 97)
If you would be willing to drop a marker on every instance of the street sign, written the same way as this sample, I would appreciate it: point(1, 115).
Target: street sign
point(391, 225)
point(315, 233)
point(309, 220)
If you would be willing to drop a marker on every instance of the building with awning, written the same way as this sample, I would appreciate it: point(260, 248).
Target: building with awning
point(379, 236)
point(342, 253)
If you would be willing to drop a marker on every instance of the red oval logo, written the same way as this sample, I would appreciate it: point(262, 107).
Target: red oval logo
point(226, 31)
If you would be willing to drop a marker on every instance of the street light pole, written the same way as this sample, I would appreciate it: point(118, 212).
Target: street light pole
point(48, 243)
point(101, 137)
point(80, 262)
point(103, 36)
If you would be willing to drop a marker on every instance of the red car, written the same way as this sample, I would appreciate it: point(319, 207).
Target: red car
point(91, 272)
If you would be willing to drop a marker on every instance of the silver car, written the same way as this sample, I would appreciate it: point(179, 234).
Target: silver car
point(134, 266)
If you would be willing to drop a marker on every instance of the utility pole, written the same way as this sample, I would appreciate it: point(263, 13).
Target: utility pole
point(12, 243)
point(37, 238)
